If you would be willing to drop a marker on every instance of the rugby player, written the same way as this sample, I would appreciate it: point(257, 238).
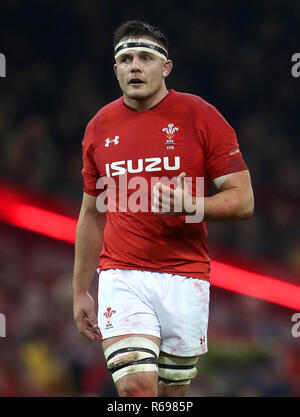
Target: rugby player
point(153, 301)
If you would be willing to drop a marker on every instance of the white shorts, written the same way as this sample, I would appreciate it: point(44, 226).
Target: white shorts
point(171, 307)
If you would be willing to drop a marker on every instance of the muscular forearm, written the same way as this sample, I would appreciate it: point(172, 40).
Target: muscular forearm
point(229, 204)
point(234, 201)
point(89, 240)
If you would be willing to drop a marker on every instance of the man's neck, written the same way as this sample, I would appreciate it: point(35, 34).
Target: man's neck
point(147, 103)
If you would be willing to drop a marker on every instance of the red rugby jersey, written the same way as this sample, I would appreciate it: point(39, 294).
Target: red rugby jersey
point(121, 140)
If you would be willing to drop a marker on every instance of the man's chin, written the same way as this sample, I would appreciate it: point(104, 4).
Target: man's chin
point(136, 95)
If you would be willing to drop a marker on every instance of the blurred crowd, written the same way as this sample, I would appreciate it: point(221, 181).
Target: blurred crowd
point(59, 74)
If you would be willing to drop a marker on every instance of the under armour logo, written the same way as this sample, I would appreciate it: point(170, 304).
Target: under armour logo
point(115, 141)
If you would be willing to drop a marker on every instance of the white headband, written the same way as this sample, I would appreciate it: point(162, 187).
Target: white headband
point(140, 45)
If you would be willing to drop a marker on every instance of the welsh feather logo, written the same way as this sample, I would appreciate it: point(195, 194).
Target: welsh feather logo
point(169, 132)
point(109, 312)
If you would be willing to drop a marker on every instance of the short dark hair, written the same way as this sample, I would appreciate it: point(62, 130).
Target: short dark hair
point(136, 29)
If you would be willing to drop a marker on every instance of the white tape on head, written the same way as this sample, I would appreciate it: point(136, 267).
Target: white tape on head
point(137, 44)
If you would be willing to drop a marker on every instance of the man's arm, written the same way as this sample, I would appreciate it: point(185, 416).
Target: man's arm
point(234, 201)
point(88, 245)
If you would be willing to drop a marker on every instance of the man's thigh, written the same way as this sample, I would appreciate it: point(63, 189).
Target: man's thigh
point(133, 362)
point(123, 304)
point(183, 316)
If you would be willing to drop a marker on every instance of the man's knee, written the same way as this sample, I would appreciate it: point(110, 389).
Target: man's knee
point(137, 386)
point(172, 390)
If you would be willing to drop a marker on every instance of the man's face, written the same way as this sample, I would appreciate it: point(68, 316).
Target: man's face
point(141, 74)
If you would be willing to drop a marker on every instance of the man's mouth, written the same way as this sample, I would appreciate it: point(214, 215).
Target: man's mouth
point(135, 81)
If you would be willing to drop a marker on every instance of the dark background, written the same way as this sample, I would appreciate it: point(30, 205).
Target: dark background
point(235, 55)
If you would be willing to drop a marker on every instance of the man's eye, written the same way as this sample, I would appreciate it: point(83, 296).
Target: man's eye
point(125, 59)
point(147, 57)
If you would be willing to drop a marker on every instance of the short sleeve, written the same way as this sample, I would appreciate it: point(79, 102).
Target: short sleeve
point(222, 153)
point(90, 172)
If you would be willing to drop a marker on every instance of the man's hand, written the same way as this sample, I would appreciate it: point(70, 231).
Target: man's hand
point(85, 317)
point(170, 202)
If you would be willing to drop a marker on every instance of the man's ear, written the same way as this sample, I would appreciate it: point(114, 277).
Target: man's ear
point(116, 70)
point(168, 65)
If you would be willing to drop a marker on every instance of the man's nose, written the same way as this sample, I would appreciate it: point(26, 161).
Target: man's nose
point(135, 64)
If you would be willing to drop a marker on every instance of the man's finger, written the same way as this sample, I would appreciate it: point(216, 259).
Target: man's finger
point(180, 180)
point(155, 206)
point(89, 335)
point(92, 319)
point(157, 197)
point(159, 188)
point(94, 330)
point(88, 330)
point(166, 195)
point(79, 320)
